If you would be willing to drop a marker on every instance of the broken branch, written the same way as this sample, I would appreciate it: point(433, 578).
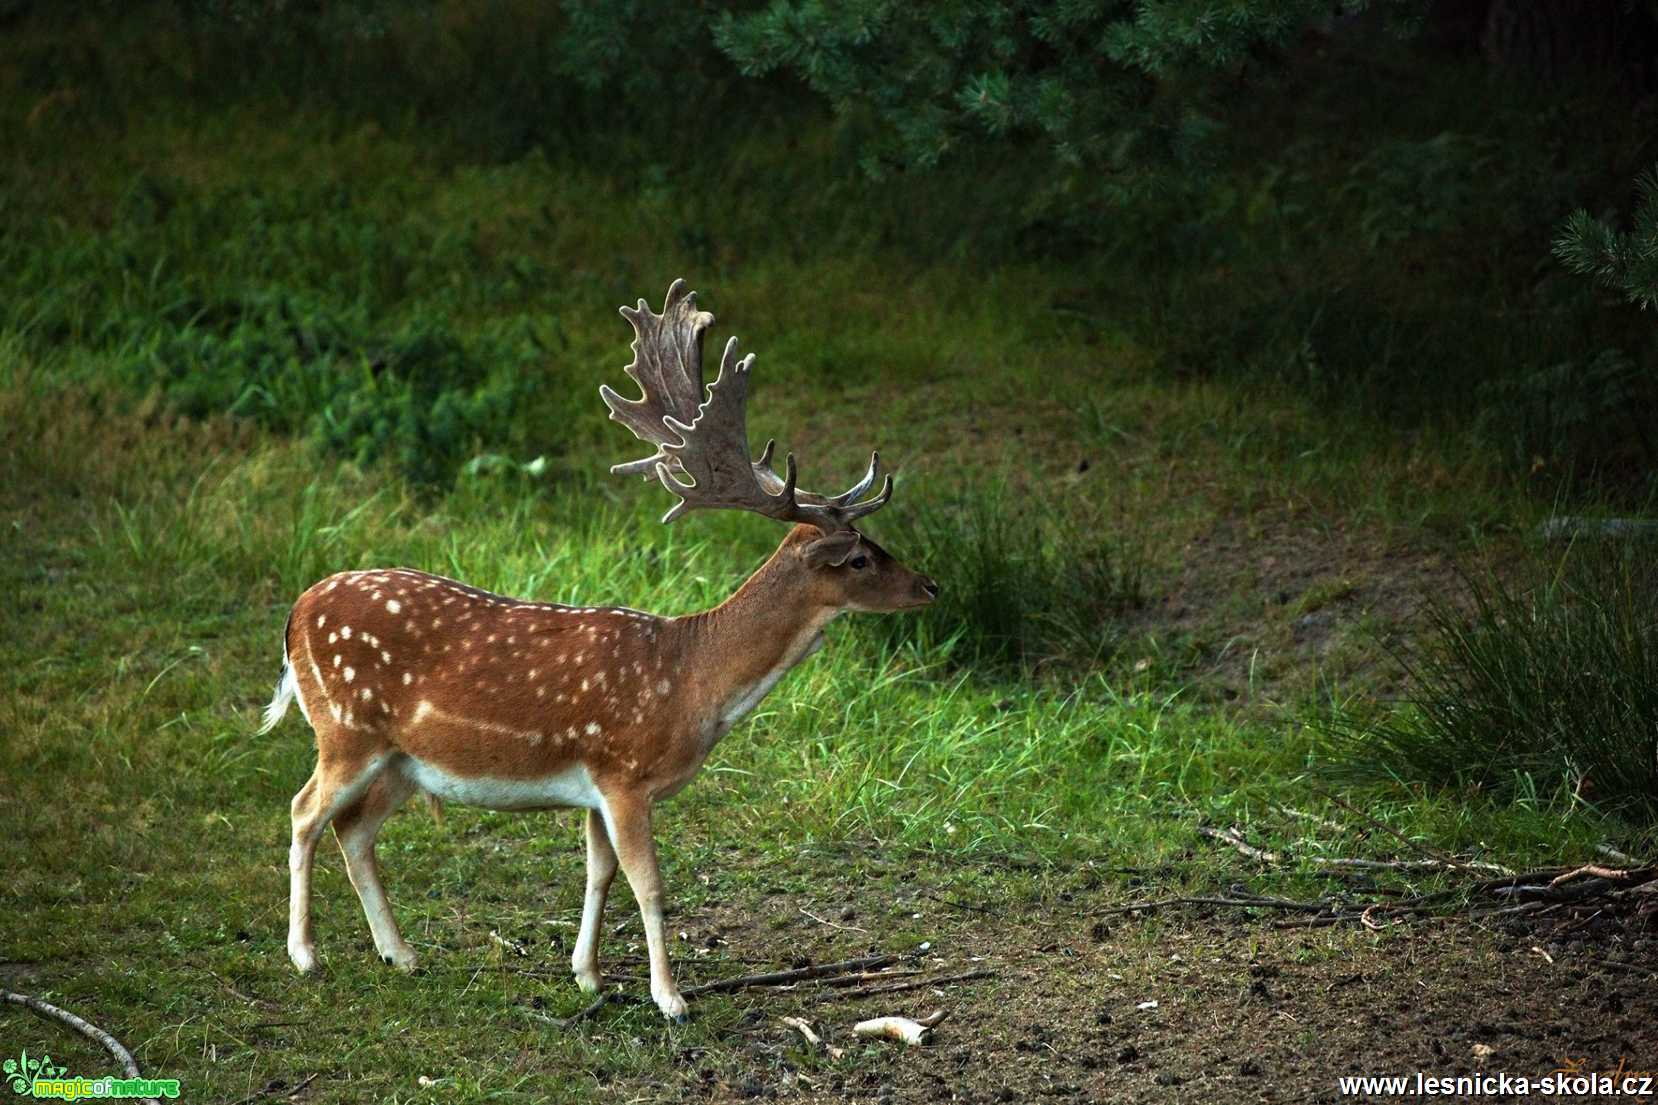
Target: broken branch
point(800, 1025)
point(129, 1065)
point(726, 985)
point(913, 984)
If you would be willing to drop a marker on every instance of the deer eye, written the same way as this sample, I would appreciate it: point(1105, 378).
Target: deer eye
point(859, 562)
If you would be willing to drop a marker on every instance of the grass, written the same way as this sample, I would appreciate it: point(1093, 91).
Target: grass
point(226, 342)
point(153, 560)
point(1535, 689)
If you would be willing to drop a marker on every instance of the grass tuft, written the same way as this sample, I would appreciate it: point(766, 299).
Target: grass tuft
point(1536, 689)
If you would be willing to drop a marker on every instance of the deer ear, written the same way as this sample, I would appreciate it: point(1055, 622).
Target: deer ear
point(831, 551)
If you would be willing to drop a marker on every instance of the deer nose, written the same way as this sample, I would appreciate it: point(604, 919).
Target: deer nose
point(928, 585)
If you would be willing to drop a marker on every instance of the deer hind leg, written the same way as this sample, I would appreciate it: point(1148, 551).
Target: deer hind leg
point(355, 829)
point(601, 869)
point(332, 786)
point(629, 821)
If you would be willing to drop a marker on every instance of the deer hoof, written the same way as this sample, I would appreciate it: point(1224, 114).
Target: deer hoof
point(304, 957)
point(673, 1007)
point(590, 982)
point(402, 958)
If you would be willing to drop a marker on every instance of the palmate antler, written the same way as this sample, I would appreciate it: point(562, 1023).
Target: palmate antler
point(706, 441)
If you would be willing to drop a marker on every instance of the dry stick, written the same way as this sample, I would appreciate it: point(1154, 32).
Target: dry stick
point(281, 1095)
point(861, 977)
point(1236, 903)
point(1352, 863)
point(1235, 838)
point(781, 978)
point(1303, 815)
point(914, 984)
point(1595, 869)
point(831, 924)
point(1447, 860)
point(799, 1025)
point(771, 978)
point(129, 1065)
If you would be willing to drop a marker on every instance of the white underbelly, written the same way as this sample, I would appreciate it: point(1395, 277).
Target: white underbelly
point(572, 787)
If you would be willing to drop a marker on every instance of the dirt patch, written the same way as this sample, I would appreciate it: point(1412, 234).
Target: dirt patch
point(1200, 1006)
point(1262, 610)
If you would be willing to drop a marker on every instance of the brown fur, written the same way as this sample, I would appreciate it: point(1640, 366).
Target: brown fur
point(399, 670)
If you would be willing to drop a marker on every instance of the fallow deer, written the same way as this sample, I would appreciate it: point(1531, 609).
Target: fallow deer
point(416, 683)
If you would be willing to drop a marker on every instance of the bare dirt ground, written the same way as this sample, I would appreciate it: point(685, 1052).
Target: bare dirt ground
point(1196, 1005)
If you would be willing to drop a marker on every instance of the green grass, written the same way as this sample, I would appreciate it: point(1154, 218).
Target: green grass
point(1542, 686)
point(153, 561)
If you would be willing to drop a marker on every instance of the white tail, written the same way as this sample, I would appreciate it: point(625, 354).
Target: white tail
point(285, 688)
point(414, 682)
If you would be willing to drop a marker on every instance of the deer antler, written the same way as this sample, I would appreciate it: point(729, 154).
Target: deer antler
point(707, 441)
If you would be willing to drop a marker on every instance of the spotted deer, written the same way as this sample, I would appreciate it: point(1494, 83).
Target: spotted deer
point(417, 683)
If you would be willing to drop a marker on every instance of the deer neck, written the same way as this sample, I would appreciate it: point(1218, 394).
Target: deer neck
point(744, 646)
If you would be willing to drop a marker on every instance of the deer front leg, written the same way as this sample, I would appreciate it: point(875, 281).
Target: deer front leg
point(601, 869)
point(629, 820)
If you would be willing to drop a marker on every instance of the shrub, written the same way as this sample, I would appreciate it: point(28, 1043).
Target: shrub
point(1547, 687)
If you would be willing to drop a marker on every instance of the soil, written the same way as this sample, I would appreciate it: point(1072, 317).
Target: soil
point(1196, 1005)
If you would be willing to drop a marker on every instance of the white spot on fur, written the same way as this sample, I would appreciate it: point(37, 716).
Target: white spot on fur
point(322, 620)
point(592, 729)
point(407, 678)
point(663, 686)
point(345, 631)
point(350, 674)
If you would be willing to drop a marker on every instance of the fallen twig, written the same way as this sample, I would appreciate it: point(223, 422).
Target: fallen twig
point(725, 985)
point(831, 924)
point(512, 946)
point(783, 978)
point(280, 1095)
point(912, 984)
point(859, 977)
point(1235, 838)
point(1599, 872)
point(1445, 859)
point(1234, 903)
point(1564, 526)
point(129, 1065)
point(1303, 815)
point(800, 1025)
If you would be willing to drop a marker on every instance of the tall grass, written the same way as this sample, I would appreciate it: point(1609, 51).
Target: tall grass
point(1024, 582)
point(1539, 687)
